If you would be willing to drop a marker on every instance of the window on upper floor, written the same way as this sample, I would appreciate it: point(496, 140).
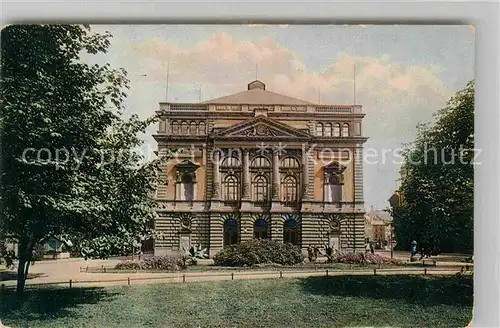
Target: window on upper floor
point(336, 130)
point(231, 161)
point(333, 182)
point(201, 128)
point(176, 128)
point(345, 130)
point(185, 188)
point(193, 128)
point(328, 130)
point(231, 188)
point(260, 186)
point(319, 129)
point(260, 161)
point(290, 163)
point(184, 127)
point(289, 187)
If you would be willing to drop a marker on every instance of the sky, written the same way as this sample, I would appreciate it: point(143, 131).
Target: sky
point(404, 73)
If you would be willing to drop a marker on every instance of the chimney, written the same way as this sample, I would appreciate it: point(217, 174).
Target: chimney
point(256, 85)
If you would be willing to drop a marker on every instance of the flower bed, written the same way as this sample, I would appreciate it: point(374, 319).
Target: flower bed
point(363, 258)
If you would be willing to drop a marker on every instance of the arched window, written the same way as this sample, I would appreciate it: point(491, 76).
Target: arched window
point(290, 232)
point(193, 128)
point(345, 130)
point(260, 162)
point(290, 189)
point(336, 130)
point(231, 188)
point(231, 161)
point(260, 230)
point(328, 130)
point(319, 130)
point(184, 128)
point(260, 188)
point(230, 232)
point(290, 163)
point(201, 128)
point(175, 127)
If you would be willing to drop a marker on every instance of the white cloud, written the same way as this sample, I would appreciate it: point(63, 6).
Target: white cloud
point(395, 97)
point(222, 64)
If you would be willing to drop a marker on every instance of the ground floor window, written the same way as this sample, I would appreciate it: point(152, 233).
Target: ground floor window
point(260, 229)
point(290, 232)
point(230, 232)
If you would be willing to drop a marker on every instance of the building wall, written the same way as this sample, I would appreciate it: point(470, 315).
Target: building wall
point(207, 214)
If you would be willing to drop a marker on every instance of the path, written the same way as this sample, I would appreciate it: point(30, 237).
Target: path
point(60, 272)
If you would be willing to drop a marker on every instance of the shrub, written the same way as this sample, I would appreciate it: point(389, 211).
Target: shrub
point(153, 263)
point(366, 258)
point(259, 251)
point(128, 265)
point(161, 263)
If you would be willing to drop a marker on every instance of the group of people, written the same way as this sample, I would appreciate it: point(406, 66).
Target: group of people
point(424, 252)
point(369, 248)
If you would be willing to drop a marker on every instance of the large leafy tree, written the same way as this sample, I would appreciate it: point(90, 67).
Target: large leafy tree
point(68, 165)
point(438, 179)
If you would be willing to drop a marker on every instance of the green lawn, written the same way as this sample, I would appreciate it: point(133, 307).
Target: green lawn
point(403, 301)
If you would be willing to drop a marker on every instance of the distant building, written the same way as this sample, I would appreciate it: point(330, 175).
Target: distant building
point(258, 164)
point(377, 228)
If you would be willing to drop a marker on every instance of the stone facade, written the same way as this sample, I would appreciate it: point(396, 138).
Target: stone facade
point(258, 164)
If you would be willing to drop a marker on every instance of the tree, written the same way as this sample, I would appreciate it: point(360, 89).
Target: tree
point(438, 181)
point(68, 165)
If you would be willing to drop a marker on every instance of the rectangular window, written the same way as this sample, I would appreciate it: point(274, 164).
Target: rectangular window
point(357, 128)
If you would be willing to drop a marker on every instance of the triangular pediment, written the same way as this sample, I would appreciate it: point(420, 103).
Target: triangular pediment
point(261, 127)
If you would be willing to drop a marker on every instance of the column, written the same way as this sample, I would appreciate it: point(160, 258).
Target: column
point(168, 128)
point(276, 176)
point(216, 191)
point(246, 175)
point(304, 174)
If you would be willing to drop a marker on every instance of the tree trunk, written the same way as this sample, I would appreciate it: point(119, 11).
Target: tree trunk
point(25, 254)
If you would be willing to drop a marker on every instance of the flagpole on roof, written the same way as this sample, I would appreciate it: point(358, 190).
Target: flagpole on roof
point(168, 73)
point(354, 85)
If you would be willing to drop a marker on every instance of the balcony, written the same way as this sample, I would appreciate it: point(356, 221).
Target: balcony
point(338, 109)
point(333, 207)
point(182, 206)
point(183, 107)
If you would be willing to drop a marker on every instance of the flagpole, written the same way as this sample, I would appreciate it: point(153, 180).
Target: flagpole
point(168, 73)
point(354, 85)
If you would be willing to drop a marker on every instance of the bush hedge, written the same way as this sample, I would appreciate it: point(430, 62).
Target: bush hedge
point(259, 251)
point(363, 258)
point(153, 263)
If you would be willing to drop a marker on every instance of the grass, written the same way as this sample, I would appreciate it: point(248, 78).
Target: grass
point(402, 301)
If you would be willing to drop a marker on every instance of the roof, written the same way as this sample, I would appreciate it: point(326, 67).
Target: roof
point(257, 95)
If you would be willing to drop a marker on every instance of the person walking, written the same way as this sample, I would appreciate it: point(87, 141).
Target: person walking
point(372, 250)
point(413, 249)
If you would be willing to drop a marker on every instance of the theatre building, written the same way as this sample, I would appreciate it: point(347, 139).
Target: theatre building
point(258, 164)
